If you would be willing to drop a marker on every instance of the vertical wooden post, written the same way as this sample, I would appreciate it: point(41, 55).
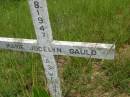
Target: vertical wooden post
point(43, 31)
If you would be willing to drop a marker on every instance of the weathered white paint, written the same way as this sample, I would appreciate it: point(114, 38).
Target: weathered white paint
point(48, 48)
point(43, 31)
point(103, 51)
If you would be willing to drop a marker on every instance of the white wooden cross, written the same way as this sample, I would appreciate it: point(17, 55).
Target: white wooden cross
point(47, 47)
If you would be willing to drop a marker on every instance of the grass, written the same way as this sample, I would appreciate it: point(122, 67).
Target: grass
point(104, 21)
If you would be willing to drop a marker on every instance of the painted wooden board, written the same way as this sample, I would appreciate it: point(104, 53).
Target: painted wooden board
point(77, 49)
point(43, 31)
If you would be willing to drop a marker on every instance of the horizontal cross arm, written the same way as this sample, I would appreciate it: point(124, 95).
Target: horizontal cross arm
point(79, 49)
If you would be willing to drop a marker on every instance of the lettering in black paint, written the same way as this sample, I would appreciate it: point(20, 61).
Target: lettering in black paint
point(82, 52)
point(15, 46)
point(46, 49)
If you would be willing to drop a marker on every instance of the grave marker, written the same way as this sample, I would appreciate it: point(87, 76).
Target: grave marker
point(47, 47)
